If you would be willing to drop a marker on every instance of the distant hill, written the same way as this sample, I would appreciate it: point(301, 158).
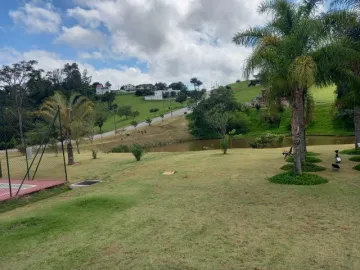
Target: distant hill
point(243, 93)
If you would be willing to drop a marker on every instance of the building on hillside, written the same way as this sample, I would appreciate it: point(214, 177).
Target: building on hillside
point(128, 88)
point(159, 94)
point(101, 90)
point(148, 86)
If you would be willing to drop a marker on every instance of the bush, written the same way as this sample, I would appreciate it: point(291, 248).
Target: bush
point(137, 151)
point(257, 106)
point(224, 144)
point(355, 158)
point(122, 148)
point(308, 167)
point(94, 153)
point(355, 152)
point(268, 139)
point(239, 121)
point(357, 167)
point(289, 178)
point(228, 87)
point(21, 148)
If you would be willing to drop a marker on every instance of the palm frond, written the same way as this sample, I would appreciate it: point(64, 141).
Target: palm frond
point(250, 37)
point(307, 7)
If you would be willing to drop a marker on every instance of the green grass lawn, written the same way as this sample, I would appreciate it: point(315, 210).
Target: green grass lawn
point(243, 93)
point(213, 213)
point(139, 104)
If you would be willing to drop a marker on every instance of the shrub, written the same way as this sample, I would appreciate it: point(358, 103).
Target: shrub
point(238, 81)
point(228, 87)
point(289, 178)
point(308, 167)
point(308, 159)
point(357, 167)
point(268, 139)
point(94, 153)
point(21, 148)
point(239, 121)
point(122, 148)
point(134, 123)
point(224, 144)
point(257, 106)
point(355, 152)
point(148, 121)
point(355, 158)
point(137, 151)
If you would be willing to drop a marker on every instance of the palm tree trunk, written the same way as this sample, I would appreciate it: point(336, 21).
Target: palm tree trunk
point(70, 153)
point(357, 125)
point(301, 107)
point(295, 129)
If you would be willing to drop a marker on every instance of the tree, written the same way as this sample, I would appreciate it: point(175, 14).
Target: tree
point(14, 79)
point(100, 115)
point(162, 117)
point(194, 81)
point(173, 94)
point(135, 114)
point(160, 86)
point(134, 124)
point(74, 109)
point(72, 81)
point(291, 54)
point(181, 99)
point(125, 111)
point(81, 129)
point(108, 84)
point(109, 98)
point(178, 86)
point(148, 120)
point(198, 84)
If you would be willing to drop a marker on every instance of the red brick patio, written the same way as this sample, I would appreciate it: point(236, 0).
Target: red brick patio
point(28, 187)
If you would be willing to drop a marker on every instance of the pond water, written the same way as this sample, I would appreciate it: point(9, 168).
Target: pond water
point(199, 145)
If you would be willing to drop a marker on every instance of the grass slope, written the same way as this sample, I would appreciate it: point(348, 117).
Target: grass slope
point(217, 212)
point(243, 93)
point(139, 104)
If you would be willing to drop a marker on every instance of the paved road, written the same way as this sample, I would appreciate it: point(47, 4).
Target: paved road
point(144, 124)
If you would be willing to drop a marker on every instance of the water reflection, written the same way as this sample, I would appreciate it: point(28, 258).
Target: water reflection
point(244, 143)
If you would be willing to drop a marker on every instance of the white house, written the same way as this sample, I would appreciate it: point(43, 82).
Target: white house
point(128, 88)
point(158, 95)
point(100, 89)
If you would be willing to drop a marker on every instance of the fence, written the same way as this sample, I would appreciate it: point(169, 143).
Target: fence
point(26, 163)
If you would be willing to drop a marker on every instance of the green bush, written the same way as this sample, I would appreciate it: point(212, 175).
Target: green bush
point(355, 152)
point(308, 159)
point(308, 167)
point(355, 158)
point(21, 148)
point(122, 148)
point(137, 151)
point(289, 178)
point(224, 144)
point(357, 167)
point(266, 140)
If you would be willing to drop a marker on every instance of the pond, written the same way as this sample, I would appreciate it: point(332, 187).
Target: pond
point(199, 145)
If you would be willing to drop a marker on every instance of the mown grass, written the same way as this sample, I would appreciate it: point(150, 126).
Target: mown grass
point(139, 104)
point(243, 93)
point(217, 212)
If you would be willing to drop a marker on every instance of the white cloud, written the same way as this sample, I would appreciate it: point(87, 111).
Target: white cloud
point(37, 17)
point(80, 37)
point(88, 17)
point(91, 55)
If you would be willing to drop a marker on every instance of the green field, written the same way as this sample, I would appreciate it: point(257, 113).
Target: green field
point(322, 120)
point(138, 104)
point(209, 215)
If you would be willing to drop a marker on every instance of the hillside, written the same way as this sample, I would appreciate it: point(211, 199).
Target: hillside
point(138, 104)
point(322, 121)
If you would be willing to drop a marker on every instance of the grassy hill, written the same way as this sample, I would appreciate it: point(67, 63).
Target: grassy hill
point(138, 104)
point(216, 212)
point(322, 124)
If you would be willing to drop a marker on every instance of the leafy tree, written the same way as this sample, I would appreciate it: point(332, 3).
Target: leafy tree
point(291, 55)
point(194, 81)
point(100, 115)
point(135, 114)
point(178, 86)
point(74, 109)
point(134, 123)
point(125, 111)
point(72, 81)
point(148, 121)
point(154, 110)
point(108, 84)
point(80, 130)
point(198, 84)
point(181, 99)
point(160, 86)
point(173, 94)
point(109, 98)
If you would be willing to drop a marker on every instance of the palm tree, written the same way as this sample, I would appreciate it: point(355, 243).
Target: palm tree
point(296, 49)
point(75, 109)
point(194, 81)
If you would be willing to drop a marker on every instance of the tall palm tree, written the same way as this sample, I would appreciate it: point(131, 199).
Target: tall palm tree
point(75, 109)
point(292, 52)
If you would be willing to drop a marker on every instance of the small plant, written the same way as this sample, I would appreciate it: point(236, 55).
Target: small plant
point(355, 152)
point(289, 178)
point(162, 117)
point(94, 153)
point(137, 151)
point(148, 121)
point(355, 158)
point(257, 106)
point(134, 123)
point(224, 144)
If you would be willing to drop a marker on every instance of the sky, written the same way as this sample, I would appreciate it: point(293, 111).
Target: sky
point(130, 41)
